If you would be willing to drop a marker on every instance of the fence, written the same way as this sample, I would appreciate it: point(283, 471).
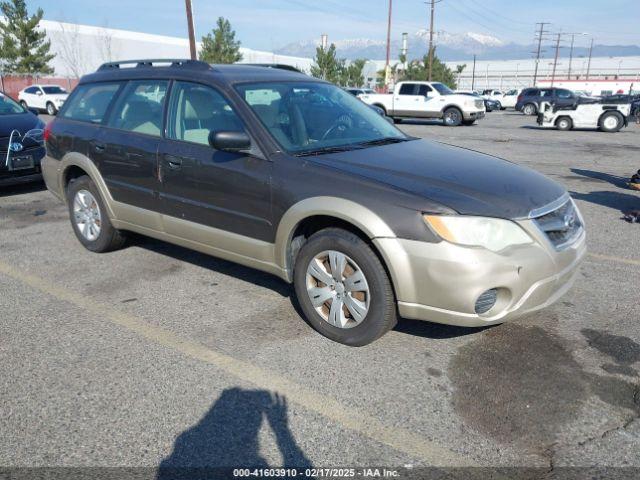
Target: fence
point(12, 84)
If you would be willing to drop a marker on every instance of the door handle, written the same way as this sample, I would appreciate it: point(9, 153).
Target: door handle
point(173, 162)
point(99, 147)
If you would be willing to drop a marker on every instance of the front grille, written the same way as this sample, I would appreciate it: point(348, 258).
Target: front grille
point(562, 226)
point(479, 103)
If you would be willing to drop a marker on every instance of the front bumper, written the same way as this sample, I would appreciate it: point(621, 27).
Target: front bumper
point(440, 282)
point(475, 115)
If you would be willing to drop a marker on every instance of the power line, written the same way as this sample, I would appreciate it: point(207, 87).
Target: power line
point(492, 12)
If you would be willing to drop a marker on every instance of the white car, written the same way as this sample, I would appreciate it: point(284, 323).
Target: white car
point(43, 97)
point(428, 100)
point(510, 98)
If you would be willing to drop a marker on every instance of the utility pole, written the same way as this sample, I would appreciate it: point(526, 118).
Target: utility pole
point(573, 36)
point(589, 63)
point(433, 4)
point(192, 33)
point(555, 61)
point(540, 35)
point(473, 72)
point(386, 65)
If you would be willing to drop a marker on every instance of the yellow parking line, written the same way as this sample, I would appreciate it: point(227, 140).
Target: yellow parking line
point(611, 258)
point(398, 438)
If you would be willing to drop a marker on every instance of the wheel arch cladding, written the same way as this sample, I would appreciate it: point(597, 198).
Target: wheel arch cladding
point(345, 212)
point(76, 164)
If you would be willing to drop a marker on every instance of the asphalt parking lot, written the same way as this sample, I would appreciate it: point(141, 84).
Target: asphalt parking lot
point(156, 355)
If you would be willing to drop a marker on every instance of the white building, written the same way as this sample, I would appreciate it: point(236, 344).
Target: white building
point(81, 49)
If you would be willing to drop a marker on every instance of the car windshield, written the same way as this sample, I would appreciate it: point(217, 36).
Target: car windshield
point(313, 117)
point(442, 89)
point(53, 90)
point(9, 107)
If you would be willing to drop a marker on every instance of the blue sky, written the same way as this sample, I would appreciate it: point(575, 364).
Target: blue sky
point(268, 24)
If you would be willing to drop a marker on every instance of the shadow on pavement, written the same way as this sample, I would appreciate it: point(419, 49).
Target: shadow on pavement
point(420, 328)
point(22, 188)
point(620, 182)
point(227, 437)
point(616, 200)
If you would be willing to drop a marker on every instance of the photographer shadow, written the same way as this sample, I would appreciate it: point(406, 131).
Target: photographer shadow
point(227, 437)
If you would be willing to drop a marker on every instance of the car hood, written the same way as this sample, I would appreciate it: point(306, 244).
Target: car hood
point(22, 122)
point(466, 181)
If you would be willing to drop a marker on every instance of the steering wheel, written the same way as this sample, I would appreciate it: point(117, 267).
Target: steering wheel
point(340, 125)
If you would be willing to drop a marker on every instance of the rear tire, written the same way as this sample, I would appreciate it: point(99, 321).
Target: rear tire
point(89, 217)
point(397, 120)
point(452, 117)
point(529, 109)
point(371, 297)
point(564, 123)
point(610, 122)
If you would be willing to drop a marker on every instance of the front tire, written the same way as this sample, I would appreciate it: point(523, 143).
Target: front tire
point(564, 124)
point(24, 104)
point(51, 109)
point(343, 288)
point(529, 109)
point(452, 117)
point(89, 217)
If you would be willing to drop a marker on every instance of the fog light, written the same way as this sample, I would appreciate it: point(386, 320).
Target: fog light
point(486, 301)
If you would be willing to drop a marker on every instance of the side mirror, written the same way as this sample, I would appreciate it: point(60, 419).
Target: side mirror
point(35, 111)
point(228, 141)
point(39, 93)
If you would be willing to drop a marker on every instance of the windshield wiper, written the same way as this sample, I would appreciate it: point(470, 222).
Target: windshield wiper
point(384, 141)
point(323, 150)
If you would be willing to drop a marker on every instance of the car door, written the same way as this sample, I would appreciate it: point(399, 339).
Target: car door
point(39, 98)
point(228, 191)
point(29, 96)
point(564, 97)
point(127, 145)
point(407, 102)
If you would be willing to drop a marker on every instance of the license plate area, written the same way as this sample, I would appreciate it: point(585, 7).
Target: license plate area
point(21, 162)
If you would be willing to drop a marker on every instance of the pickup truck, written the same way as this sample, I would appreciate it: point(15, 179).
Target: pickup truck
point(428, 100)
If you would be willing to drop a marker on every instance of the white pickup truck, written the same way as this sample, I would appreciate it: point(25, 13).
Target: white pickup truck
point(428, 100)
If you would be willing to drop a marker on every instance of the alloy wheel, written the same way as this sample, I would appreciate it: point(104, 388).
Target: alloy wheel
point(338, 289)
point(87, 216)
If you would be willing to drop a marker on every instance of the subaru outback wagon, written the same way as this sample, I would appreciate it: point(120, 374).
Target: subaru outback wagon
point(294, 176)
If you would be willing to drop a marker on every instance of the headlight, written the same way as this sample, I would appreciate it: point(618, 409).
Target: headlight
point(493, 234)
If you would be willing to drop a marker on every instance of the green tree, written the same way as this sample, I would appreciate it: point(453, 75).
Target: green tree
point(419, 70)
point(326, 65)
point(24, 48)
point(220, 45)
point(351, 75)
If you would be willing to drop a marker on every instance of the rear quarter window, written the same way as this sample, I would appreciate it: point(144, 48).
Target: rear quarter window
point(89, 103)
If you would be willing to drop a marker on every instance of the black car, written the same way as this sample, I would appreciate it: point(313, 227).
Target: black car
point(21, 143)
point(294, 176)
point(357, 91)
point(530, 98)
point(489, 105)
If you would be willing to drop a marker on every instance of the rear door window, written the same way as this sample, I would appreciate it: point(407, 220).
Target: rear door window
point(89, 103)
point(408, 89)
point(140, 107)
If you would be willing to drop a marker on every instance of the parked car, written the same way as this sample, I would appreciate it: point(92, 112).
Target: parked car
point(48, 98)
point(529, 99)
point(489, 105)
point(294, 176)
point(605, 115)
point(356, 91)
point(510, 98)
point(495, 95)
point(428, 100)
point(21, 146)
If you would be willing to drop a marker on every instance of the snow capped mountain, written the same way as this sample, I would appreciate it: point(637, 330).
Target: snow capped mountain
point(450, 47)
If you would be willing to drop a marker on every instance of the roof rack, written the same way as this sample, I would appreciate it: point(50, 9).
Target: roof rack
point(280, 66)
point(157, 62)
